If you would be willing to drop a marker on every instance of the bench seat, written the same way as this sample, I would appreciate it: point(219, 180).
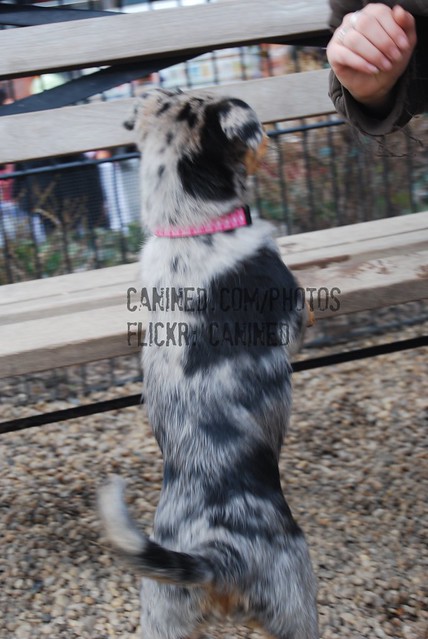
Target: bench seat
point(83, 317)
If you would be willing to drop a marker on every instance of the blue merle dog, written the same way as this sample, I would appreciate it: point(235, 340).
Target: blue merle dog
point(224, 543)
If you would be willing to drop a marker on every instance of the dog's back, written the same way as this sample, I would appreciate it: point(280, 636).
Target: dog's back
point(228, 313)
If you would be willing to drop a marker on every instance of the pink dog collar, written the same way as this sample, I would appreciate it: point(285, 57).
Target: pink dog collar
point(234, 220)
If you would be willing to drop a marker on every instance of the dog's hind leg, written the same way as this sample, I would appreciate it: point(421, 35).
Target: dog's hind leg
point(286, 605)
point(286, 624)
point(169, 612)
point(296, 632)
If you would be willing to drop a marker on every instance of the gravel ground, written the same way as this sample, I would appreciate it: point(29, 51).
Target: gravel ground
point(354, 469)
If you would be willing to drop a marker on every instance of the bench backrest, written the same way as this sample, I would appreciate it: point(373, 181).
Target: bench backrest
point(152, 40)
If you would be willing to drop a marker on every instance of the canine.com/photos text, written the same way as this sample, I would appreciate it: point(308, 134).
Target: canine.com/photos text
point(195, 299)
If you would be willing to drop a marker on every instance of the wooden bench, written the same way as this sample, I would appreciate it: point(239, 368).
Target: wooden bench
point(72, 319)
point(83, 317)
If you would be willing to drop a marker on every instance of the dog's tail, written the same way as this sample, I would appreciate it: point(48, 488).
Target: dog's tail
point(151, 559)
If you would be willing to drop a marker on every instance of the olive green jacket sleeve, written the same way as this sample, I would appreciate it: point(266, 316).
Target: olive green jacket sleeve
point(411, 91)
point(361, 118)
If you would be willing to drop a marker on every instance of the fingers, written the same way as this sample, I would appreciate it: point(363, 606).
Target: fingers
point(406, 21)
point(371, 50)
point(373, 43)
point(347, 58)
point(376, 38)
point(378, 25)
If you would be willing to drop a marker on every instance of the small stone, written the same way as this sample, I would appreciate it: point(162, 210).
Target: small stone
point(24, 631)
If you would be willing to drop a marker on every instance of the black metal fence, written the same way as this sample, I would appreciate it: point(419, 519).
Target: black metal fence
point(78, 213)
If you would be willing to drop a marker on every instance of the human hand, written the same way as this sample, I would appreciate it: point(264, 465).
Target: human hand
point(370, 51)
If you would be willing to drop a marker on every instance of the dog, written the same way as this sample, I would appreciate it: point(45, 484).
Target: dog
point(224, 542)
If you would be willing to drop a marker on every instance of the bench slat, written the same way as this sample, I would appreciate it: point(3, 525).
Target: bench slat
point(100, 125)
point(66, 340)
point(101, 41)
point(351, 235)
point(64, 294)
point(371, 284)
point(83, 317)
point(77, 338)
point(108, 287)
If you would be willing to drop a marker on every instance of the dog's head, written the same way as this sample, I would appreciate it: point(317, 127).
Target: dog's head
point(197, 153)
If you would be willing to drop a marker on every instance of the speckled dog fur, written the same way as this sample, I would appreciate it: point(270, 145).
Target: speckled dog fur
point(224, 541)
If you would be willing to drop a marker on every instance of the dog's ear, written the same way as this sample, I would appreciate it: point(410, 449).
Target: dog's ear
point(129, 124)
point(239, 122)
